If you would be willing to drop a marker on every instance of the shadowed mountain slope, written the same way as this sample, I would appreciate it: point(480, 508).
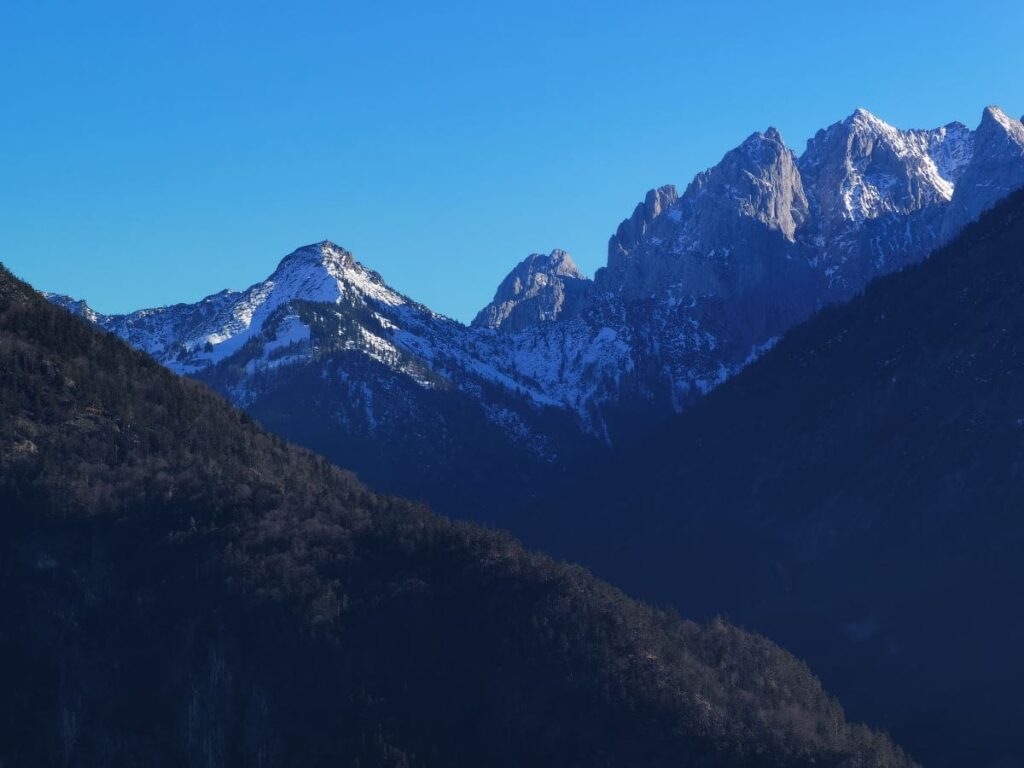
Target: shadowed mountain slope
point(180, 588)
point(858, 494)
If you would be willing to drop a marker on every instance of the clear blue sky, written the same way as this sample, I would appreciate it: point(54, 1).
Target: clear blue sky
point(158, 152)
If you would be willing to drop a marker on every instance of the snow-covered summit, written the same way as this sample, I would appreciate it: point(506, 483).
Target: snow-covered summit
point(862, 168)
point(327, 272)
point(188, 338)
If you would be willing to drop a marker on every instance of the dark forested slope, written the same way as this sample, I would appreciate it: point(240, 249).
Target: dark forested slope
point(857, 494)
point(178, 587)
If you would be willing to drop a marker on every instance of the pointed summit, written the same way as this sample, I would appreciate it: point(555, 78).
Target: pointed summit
point(864, 117)
point(994, 114)
point(633, 229)
point(757, 180)
point(996, 125)
point(539, 289)
point(864, 122)
point(753, 196)
point(995, 170)
point(763, 147)
point(863, 168)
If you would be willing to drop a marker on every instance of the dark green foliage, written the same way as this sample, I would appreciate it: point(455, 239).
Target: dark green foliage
point(178, 587)
point(857, 494)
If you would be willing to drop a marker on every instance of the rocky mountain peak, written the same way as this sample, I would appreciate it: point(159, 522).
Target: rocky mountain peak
point(632, 231)
point(862, 168)
point(995, 169)
point(864, 119)
point(994, 118)
point(558, 263)
point(758, 180)
point(727, 214)
point(541, 288)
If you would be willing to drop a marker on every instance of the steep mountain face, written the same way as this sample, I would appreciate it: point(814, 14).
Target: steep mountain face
point(697, 285)
point(558, 369)
point(752, 202)
point(855, 493)
point(994, 170)
point(879, 195)
point(540, 289)
point(180, 588)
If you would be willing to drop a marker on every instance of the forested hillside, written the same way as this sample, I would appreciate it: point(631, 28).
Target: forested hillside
point(178, 587)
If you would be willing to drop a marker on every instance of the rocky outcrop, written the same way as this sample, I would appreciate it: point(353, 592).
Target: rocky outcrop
point(996, 168)
point(862, 168)
point(633, 233)
point(710, 240)
point(540, 289)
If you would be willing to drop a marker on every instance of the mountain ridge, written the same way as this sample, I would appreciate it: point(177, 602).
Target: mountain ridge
point(696, 286)
point(854, 492)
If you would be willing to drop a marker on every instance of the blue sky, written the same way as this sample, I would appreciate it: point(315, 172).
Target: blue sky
point(153, 153)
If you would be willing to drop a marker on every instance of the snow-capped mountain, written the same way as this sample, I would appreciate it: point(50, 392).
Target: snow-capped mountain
point(189, 338)
point(696, 286)
point(326, 353)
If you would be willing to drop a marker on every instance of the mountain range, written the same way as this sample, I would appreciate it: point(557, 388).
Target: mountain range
point(745, 411)
point(559, 370)
point(857, 494)
point(180, 588)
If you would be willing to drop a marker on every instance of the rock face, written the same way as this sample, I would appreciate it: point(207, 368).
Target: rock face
point(716, 238)
point(848, 494)
point(556, 366)
point(878, 196)
point(631, 234)
point(541, 288)
point(995, 169)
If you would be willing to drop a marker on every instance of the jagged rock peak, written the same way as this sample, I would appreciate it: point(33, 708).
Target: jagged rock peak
point(865, 118)
point(763, 147)
point(632, 230)
point(862, 168)
point(758, 180)
point(558, 262)
point(541, 288)
point(994, 114)
point(996, 169)
point(998, 133)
